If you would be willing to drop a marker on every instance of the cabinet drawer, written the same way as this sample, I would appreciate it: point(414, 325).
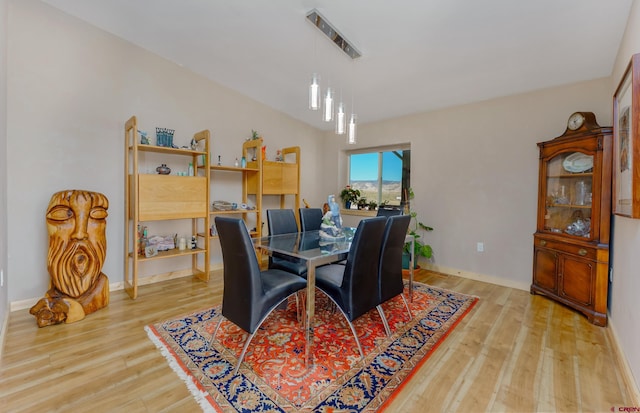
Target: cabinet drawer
point(579, 250)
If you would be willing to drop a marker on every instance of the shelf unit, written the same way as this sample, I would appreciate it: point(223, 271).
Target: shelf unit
point(276, 178)
point(249, 173)
point(571, 243)
point(155, 197)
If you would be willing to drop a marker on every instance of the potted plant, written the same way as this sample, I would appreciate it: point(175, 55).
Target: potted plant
point(373, 205)
point(362, 203)
point(421, 249)
point(349, 196)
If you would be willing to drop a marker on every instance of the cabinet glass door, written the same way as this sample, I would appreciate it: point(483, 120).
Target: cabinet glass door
point(569, 179)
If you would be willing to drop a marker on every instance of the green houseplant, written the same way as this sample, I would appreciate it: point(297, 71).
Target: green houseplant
point(421, 249)
point(349, 196)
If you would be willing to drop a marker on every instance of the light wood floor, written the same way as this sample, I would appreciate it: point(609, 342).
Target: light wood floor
point(513, 353)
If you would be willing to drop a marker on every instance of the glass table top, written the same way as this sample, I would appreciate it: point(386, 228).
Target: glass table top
point(307, 245)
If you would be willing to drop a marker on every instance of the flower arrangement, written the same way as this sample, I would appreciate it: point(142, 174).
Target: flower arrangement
point(349, 195)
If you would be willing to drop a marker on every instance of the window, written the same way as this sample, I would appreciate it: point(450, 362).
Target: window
point(381, 175)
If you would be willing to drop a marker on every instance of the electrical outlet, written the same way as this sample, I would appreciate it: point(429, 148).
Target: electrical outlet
point(480, 247)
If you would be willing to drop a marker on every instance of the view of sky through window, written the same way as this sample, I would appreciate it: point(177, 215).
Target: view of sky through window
point(364, 175)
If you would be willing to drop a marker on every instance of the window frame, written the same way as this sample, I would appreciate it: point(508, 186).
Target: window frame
point(379, 150)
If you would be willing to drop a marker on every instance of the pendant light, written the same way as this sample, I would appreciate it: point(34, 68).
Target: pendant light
point(352, 130)
point(340, 119)
point(336, 38)
point(353, 119)
point(314, 92)
point(327, 114)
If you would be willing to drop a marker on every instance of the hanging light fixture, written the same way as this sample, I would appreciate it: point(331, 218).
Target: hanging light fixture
point(332, 34)
point(327, 114)
point(352, 130)
point(340, 119)
point(314, 92)
point(321, 23)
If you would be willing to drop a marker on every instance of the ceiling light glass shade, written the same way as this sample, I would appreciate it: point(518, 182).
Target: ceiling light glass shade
point(327, 114)
point(352, 129)
point(314, 92)
point(340, 119)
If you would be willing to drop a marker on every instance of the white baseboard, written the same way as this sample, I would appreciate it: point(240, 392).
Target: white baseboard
point(478, 277)
point(3, 332)
point(627, 375)
point(152, 279)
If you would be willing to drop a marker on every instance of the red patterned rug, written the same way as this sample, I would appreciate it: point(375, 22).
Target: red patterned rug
point(273, 377)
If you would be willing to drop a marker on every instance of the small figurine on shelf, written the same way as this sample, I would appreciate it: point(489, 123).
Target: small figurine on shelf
point(236, 164)
point(163, 169)
point(142, 239)
point(144, 139)
point(194, 242)
point(335, 211)
point(279, 157)
point(219, 161)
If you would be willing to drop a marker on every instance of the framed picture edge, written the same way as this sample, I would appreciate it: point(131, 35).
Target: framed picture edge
point(626, 149)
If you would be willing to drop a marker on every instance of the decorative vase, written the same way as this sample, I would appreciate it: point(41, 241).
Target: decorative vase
point(163, 169)
point(347, 205)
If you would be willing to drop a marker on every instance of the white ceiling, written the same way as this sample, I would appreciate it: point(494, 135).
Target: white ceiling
point(417, 55)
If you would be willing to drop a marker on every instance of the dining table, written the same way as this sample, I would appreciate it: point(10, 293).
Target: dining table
point(316, 250)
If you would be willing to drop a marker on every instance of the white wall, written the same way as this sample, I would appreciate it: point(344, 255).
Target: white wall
point(71, 87)
point(625, 315)
point(474, 171)
point(4, 300)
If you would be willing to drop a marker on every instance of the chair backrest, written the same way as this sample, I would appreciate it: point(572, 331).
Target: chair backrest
point(390, 267)
point(242, 282)
point(388, 212)
point(360, 281)
point(310, 219)
point(281, 221)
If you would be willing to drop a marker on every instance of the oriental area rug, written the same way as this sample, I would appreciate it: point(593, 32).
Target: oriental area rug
point(273, 376)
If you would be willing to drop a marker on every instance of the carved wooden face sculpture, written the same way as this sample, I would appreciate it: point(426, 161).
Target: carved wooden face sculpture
point(76, 222)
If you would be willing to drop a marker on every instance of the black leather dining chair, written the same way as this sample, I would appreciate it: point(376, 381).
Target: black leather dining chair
point(388, 212)
point(390, 282)
point(283, 221)
point(353, 287)
point(249, 294)
point(310, 219)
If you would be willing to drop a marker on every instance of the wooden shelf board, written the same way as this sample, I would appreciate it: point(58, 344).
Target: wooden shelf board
point(163, 149)
point(233, 211)
point(171, 254)
point(232, 168)
point(578, 175)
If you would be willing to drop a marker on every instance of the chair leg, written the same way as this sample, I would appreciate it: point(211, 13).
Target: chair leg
point(384, 320)
point(244, 349)
point(246, 343)
point(215, 331)
point(353, 329)
point(406, 304)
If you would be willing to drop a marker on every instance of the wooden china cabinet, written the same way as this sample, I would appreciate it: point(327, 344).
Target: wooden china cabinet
point(571, 243)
